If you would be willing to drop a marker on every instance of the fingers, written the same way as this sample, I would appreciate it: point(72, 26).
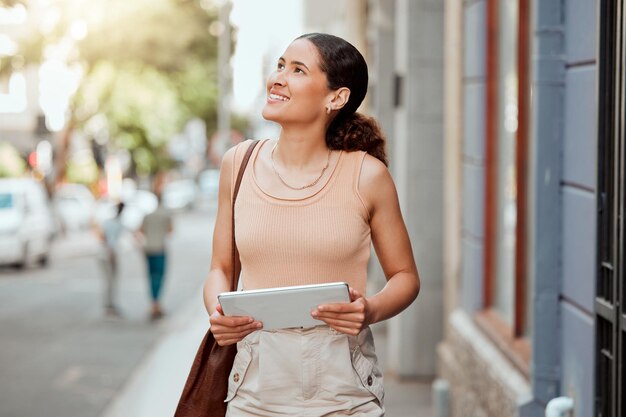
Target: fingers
point(225, 342)
point(349, 318)
point(229, 321)
point(228, 335)
point(354, 294)
point(222, 329)
point(357, 306)
point(349, 323)
point(356, 317)
point(229, 330)
point(229, 338)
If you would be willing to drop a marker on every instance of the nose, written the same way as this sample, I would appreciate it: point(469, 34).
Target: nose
point(277, 78)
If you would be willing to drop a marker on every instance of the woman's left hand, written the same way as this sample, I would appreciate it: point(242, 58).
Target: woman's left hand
point(349, 318)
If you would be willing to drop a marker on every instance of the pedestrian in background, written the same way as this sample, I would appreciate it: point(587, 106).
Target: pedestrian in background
point(110, 232)
point(156, 228)
point(309, 207)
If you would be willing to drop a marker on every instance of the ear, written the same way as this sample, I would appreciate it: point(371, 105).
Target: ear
point(340, 98)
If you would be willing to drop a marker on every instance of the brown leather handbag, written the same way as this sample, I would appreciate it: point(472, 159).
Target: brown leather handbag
point(207, 383)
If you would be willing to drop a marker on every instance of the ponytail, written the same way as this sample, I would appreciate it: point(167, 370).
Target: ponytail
point(344, 66)
point(357, 132)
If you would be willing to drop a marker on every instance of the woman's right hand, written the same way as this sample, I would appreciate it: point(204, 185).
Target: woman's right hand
point(229, 330)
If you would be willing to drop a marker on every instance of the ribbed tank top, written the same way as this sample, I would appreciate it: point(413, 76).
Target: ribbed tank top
point(324, 237)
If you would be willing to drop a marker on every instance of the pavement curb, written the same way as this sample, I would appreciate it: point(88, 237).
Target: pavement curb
point(155, 385)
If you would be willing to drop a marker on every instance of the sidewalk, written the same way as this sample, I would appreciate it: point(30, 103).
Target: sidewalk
point(155, 387)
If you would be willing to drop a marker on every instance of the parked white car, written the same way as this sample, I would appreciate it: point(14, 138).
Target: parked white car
point(209, 182)
point(26, 222)
point(208, 186)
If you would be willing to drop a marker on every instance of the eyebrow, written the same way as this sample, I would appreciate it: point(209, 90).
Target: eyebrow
point(295, 63)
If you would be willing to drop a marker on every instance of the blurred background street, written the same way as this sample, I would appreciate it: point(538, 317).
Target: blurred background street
point(60, 355)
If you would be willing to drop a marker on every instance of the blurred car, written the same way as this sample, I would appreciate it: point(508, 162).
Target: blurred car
point(208, 188)
point(74, 206)
point(179, 194)
point(208, 183)
point(27, 224)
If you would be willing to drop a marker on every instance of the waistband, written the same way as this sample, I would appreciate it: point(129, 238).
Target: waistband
point(364, 339)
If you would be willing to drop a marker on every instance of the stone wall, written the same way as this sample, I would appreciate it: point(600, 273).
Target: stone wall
point(482, 381)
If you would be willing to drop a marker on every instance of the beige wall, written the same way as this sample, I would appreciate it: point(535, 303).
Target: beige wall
point(453, 128)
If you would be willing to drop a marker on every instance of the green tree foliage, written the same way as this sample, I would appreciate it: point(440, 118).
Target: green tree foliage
point(156, 64)
point(165, 34)
point(11, 163)
point(142, 107)
point(149, 66)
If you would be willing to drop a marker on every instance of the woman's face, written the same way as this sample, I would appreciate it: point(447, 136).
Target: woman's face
point(297, 90)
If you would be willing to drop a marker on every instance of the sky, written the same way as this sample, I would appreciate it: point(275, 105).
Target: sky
point(264, 30)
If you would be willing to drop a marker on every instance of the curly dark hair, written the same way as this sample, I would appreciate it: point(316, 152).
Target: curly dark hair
point(344, 66)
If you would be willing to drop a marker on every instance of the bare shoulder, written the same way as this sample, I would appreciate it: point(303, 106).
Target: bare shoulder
point(375, 182)
point(373, 170)
point(233, 155)
point(229, 158)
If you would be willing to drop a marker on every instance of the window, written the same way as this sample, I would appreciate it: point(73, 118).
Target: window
point(506, 314)
point(610, 287)
point(6, 201)
point(506, 190)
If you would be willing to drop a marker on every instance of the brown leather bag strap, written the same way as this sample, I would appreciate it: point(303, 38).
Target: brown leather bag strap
point(234, 279)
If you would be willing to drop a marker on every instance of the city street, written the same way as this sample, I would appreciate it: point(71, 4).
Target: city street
point(59, 354)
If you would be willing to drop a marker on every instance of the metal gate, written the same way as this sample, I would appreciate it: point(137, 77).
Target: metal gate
point(611, 290)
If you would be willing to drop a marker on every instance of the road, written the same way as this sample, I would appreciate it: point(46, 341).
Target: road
point(60, 356)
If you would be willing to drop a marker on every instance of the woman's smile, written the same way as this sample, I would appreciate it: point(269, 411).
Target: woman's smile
point(274, 97)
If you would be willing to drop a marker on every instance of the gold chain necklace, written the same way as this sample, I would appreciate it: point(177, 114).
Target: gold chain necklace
point(304, 186)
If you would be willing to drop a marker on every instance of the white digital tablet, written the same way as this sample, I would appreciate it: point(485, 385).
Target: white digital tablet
point(284, 307)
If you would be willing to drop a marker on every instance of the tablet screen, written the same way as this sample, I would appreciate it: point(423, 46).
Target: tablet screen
point(284, 307)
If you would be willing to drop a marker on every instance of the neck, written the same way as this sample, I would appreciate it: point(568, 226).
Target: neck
point(300, 149)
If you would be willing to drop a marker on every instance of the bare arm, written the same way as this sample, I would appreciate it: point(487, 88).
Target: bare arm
point(391, 242)
point(392, 245)
point(218, 280)
point(227, 330)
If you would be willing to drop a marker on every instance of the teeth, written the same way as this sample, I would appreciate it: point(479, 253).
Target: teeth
point(277, 97)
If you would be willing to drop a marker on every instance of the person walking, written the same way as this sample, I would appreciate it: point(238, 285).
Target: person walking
point(310, 205)
point(156, 228)
point(110, 233)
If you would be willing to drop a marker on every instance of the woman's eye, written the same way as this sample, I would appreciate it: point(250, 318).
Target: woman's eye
point(280, 66)
point(298, 70)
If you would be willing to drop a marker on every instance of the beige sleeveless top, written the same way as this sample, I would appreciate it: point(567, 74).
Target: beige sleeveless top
point(324, 237)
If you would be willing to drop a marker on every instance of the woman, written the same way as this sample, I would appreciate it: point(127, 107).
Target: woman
point(309, 206)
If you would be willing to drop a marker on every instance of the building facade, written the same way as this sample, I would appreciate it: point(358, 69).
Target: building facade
point(406, 96)
point(522, 169)
point(531, 161)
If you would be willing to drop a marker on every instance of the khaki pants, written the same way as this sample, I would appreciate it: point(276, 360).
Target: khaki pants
point(309, 372)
